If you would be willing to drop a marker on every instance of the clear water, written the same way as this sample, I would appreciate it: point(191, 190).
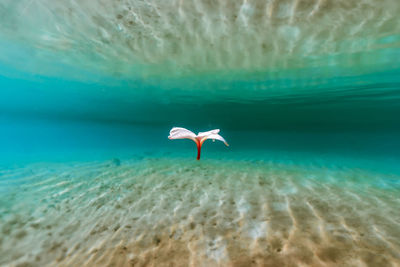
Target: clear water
point(307, 93)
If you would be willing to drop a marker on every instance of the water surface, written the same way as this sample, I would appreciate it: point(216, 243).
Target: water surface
point(307, 94)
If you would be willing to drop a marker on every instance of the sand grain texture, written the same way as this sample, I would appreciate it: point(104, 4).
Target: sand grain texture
point(176, 212)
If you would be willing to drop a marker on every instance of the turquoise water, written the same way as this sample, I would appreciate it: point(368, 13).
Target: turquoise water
point(307, 94)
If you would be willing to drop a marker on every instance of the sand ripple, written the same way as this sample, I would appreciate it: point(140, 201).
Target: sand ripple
point(175, 212)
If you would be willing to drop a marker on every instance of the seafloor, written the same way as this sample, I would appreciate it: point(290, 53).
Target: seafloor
point(159, 211)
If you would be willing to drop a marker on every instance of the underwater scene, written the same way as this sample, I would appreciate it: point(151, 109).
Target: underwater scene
point(302, 99)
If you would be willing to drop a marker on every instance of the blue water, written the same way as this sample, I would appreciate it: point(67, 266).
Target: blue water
point(306, 94)
point(41, 115)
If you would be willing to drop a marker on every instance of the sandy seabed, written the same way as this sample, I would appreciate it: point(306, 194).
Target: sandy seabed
point(178, 212)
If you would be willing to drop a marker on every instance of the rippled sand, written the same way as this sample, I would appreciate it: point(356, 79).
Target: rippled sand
point(177, 212)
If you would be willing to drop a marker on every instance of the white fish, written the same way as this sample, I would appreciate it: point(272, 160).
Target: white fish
point(182, 133)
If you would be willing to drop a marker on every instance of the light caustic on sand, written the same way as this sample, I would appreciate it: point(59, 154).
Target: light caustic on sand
point(158, 211)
